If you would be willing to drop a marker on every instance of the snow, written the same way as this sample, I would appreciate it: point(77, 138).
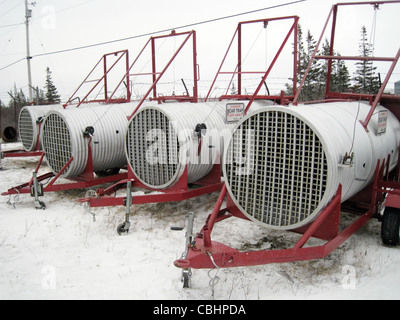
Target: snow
point(61, 253)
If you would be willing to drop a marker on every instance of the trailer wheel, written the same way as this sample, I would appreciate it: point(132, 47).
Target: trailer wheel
point(123, 228)
point(390, 231)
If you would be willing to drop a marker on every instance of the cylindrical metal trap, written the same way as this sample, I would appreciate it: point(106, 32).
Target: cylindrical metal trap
point(284, 164)
point(28, 124)
point(163, 140)
point(66, 134)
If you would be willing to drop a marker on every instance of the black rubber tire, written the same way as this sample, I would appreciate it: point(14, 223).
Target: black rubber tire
point(390, 231)
point(107, 172)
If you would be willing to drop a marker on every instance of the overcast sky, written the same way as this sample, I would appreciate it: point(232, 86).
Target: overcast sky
point(58, 25)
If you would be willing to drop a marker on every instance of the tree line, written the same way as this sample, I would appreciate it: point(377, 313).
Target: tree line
point(364, 79)
point(41, 97)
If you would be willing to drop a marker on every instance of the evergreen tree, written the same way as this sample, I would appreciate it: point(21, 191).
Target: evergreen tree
point(340, 81)
point(311, 89)
point(340, 77)
point(365, 80)
point(300, 67)
point(40, 96)
point(51, 90)
point(312, 86)
point(323, 70)
point(315, 84)
point(18, 98)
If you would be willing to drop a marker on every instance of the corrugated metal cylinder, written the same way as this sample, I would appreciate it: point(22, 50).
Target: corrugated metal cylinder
point(63, 136)
point(162, 141)
point(28, 124)
point(284, 164)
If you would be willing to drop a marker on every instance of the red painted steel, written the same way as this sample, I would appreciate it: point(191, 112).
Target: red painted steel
point(86, 180)
point(179, 192)
point(103, 79)
point(156, 76)
point(203, 253)
point(239, 72)
point(326, 227)
point(373, 99)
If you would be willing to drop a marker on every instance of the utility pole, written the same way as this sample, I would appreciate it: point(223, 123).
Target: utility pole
point(28, 15)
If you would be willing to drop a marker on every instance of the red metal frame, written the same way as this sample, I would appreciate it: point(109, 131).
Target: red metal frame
point(20, 153)
point(205, 253)
point(85, 180)
point(326, 227)
point(373, 99)
point(239, 72)
point(157, 75)
point(103, 79)
point(180, 191)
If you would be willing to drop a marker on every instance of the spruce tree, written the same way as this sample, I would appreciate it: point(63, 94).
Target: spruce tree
point(52, 95)
point(315, 84)
point(312, 88)
point(340, 77)
point(365, 80)
point(18, 98)
point(340, 81)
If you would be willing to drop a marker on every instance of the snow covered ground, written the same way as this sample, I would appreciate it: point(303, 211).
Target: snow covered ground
point(61, 253)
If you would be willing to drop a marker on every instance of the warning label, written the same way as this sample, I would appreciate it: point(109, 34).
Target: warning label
point(382, 121)
point(234, 112)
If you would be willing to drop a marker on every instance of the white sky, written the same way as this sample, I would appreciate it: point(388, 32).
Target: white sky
point(58, 25)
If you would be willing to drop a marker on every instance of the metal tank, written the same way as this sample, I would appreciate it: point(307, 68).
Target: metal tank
point(29, 121)
point(66, 134)
point(163, 140)
point(284, 164)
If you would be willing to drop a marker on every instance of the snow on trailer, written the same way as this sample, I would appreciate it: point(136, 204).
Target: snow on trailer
point(297, 167)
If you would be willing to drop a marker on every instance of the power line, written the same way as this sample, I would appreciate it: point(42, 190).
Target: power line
point(156, 32)
point(11, 64)
point(165, 30)
point(11, 25)
point(3, 14)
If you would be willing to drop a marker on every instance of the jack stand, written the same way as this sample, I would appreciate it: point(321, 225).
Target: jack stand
point(37, 191)
point(124, 227)
point(90, 194)
point(187, 273)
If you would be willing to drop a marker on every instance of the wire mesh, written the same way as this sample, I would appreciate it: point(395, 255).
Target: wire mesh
point(276, 168)
point(152, 147)
point(26, 129)
point(57, 142)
